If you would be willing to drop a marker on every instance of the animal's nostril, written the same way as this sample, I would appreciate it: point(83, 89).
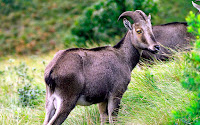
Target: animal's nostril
point(157, 47)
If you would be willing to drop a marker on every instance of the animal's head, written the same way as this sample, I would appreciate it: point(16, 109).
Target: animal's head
point(142, 36)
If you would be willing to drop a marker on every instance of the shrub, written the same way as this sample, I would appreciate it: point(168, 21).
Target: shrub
point(98, 23)
point(19, 80)
point(28, 96)
point(191, 76)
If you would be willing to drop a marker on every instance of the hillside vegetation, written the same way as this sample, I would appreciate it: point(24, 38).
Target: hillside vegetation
point(38, 26)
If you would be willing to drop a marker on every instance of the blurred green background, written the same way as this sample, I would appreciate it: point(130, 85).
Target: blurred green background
point(39, 26)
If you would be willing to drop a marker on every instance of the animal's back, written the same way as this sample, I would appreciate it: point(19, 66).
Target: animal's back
point(95, 70)
point(173, 35)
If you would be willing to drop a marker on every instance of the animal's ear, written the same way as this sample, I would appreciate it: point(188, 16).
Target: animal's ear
point(127, 24)
point(149, 17)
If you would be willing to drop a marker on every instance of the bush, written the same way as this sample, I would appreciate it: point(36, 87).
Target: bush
point(21, 78)
point(191, 79)
point(28, 96)
point(98, 23)
point(191, 76)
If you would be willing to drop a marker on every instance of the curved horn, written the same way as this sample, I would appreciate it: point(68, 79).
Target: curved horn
point(135, 16)
point(127, 13)
point(143, 15)
point(196, 5)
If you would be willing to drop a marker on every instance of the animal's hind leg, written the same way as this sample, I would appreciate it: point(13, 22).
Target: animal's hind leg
point(113, 108)
point(63, 108)
point(50, 110)
point(103, 111)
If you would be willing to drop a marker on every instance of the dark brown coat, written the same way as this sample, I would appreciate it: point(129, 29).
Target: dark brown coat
point(99, 75)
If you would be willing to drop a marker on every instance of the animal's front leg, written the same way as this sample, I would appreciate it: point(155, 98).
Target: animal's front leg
point(103, 109)
point(113, 108)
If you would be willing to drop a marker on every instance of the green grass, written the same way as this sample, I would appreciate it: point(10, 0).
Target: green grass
point(153, 94)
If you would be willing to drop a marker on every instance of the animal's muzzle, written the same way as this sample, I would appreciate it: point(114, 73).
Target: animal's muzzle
point(157, 47)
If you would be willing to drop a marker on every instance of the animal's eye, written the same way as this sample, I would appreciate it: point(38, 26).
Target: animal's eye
point(139, 31)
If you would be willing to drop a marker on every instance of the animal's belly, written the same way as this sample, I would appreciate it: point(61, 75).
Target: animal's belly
point(89, 100)
point(82, 101)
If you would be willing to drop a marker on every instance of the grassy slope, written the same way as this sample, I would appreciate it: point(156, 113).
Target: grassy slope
point(154, 92)
point(44, 24)
point(39, 28)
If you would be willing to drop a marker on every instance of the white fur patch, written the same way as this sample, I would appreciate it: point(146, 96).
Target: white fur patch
point(57, 101)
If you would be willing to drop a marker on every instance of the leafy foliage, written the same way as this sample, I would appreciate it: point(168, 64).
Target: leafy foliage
point(99, 23)
point(38, 26)
point(148, 6)
point(191, 76)
point(21, 81)
point(28, 96)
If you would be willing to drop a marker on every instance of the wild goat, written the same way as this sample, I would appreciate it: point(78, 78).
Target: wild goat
point(100, 75)
point(171, 36)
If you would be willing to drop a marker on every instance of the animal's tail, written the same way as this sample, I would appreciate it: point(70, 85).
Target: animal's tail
point(50, 81)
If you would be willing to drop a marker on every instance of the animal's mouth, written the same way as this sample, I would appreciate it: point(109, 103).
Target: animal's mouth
point(153, 51)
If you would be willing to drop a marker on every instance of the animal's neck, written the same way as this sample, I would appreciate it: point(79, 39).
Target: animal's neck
point(128, 51)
